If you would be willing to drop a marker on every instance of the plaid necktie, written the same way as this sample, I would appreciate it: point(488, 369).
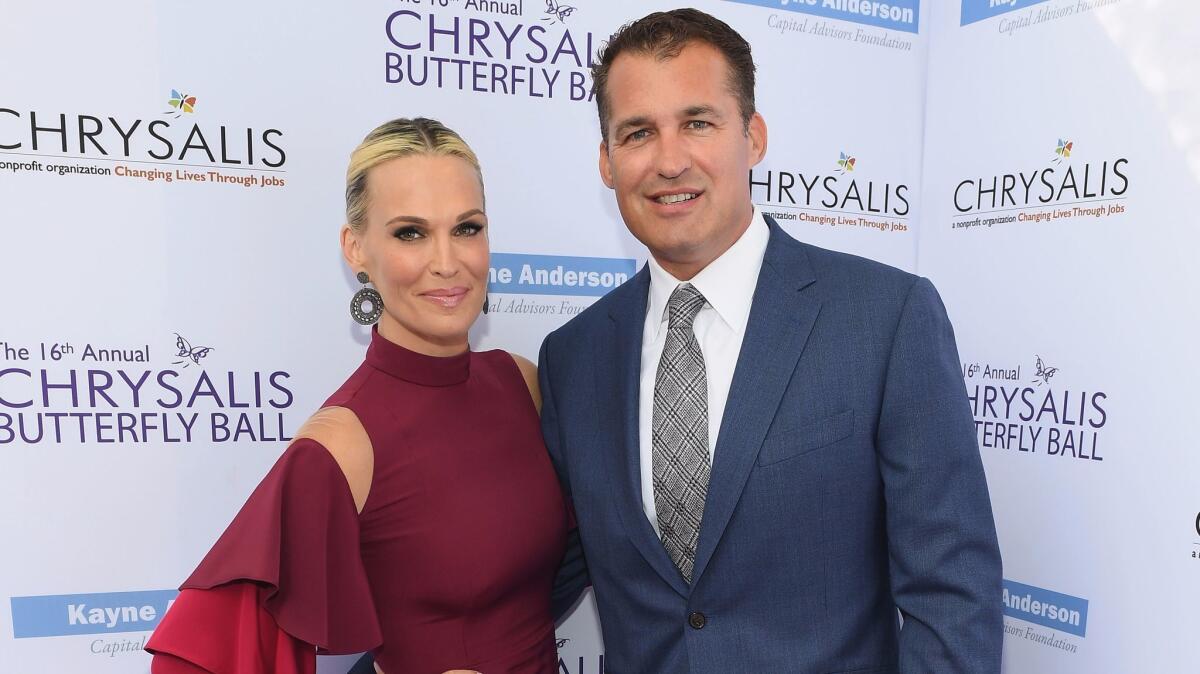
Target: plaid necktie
point(680, 432)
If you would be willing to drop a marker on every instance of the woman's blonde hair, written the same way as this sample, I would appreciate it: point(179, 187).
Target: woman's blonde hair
point(392, 140)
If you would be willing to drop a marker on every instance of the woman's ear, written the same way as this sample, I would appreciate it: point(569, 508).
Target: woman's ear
point(352, 249)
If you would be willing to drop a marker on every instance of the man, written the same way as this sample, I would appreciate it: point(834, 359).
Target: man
point(768, 445)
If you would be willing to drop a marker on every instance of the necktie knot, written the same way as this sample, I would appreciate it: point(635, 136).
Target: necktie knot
point(683, 306)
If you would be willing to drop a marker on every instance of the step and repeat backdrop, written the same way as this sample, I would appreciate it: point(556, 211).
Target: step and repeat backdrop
point(175, 302)
point(1060, 186)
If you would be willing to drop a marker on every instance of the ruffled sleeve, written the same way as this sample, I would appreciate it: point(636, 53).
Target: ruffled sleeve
point(290, 558)
point(226, 630)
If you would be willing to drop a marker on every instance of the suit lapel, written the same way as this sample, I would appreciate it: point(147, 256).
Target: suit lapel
point(618, 384)
point(781, 318)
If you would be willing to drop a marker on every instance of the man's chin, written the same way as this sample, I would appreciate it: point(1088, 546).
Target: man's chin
point(678, 254)
point(675, 238)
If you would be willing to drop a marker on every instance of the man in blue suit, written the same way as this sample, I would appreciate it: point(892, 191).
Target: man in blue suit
point(768, 445)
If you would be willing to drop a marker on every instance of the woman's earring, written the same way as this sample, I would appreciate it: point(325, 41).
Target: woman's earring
point(486, 302)
point(369, 297)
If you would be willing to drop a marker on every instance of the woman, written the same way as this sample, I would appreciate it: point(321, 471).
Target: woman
point(417, 513)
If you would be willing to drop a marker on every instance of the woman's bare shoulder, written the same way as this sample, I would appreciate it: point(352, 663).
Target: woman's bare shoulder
point(339, 430)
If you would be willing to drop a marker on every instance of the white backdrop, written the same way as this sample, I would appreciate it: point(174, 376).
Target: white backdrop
point(1092, 468)
point(136, 233)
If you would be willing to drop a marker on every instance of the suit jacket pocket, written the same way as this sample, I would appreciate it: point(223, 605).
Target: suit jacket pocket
point(788, 444)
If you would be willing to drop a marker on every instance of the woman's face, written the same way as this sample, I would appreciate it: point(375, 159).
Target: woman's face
point(424, 244)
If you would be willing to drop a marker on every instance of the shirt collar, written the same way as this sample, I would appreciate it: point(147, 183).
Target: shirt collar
point(727, 283)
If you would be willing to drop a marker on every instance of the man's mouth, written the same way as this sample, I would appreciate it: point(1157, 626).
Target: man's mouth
point(676, 198)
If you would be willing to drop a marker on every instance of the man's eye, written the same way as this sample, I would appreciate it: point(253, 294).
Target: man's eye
point(638, 135)
point(698, 124)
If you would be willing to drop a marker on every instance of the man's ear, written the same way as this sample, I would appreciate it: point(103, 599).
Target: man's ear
point(605, 166)
point(758, 139)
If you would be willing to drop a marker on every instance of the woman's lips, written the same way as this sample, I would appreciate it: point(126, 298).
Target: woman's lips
point(446, 297)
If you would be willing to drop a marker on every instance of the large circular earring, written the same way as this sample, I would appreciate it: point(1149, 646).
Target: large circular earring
point(368, 297)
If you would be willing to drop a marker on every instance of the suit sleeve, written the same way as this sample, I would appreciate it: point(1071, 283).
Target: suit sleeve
point(572, 576)
point(944, 560)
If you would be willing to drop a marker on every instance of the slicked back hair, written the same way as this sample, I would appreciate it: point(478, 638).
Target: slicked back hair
point(664, 35)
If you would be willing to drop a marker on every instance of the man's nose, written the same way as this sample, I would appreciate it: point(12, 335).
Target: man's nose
point(673, 158)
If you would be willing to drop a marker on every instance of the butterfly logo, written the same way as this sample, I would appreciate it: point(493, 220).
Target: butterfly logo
point(559, 642)
point(1044, 373)
point(181, 103)
point(557, 10)
point(1063, 150)
point(845, 162)
point(187, 352)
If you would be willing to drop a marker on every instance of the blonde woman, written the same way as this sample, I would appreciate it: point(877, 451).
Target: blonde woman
point(417, 514)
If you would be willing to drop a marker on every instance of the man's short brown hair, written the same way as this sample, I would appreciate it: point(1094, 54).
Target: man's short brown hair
point(664, 35)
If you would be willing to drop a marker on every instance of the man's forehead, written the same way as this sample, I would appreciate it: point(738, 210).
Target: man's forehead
point(638, 95)
point(659, 58)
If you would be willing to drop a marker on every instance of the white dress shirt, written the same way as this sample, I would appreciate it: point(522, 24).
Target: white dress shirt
point(727, 284)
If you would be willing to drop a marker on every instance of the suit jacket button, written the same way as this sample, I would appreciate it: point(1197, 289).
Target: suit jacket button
point(697, 620)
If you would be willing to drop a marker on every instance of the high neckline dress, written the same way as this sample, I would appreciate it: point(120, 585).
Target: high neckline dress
point(450, 564)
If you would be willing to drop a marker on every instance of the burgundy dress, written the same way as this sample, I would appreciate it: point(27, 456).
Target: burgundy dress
point(450, 564)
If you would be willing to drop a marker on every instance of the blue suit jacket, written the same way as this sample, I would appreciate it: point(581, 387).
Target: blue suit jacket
point(846, 484)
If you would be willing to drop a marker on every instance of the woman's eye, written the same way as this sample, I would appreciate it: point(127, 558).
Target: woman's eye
point(408, 234)
point(468, 229)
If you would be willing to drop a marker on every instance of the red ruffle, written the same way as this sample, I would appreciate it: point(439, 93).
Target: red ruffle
point(226, 630)
point(297, 540)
